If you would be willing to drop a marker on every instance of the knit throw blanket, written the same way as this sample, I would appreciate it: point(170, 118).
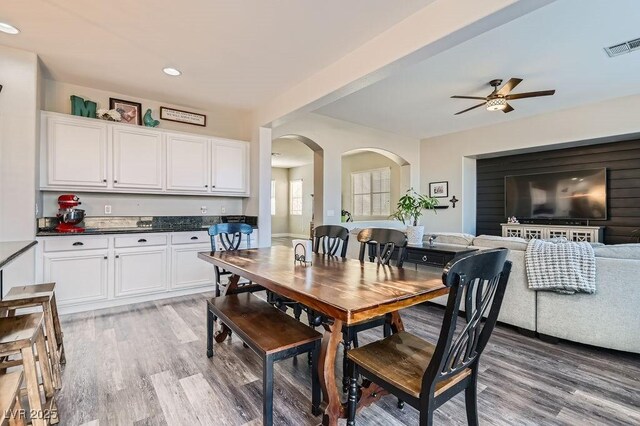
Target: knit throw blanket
point(561, 266)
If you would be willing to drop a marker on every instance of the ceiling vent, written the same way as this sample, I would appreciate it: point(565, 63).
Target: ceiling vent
point(621, 48)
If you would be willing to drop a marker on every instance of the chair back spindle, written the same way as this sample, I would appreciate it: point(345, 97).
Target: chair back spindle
point(479, 281)
point(381, 243)
point(331, 238)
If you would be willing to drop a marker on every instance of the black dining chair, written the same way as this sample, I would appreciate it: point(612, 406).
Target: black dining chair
point(427, 375)
point(230, 237)
point(379, 244)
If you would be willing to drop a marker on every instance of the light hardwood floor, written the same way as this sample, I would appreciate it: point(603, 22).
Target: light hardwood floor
point(146, 365)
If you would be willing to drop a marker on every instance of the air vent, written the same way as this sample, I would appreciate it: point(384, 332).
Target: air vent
point(626, 47)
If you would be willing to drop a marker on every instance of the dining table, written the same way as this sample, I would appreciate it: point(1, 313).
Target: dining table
point(343, 291)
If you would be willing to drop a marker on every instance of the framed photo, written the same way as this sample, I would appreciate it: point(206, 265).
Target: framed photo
point(439, 189)
point(180, 116)
point(131, 112)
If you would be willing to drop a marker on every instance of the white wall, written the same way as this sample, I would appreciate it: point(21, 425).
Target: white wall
point(18, 129)
point(223, 122)
point(280, 221)
point(451, 157)
point(337, 137)
point(368, 161)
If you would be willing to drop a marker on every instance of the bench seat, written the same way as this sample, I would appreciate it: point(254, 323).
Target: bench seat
point(270, 333)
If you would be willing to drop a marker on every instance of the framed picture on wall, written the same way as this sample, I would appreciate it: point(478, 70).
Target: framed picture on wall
point(131, 112)
point(439, 189)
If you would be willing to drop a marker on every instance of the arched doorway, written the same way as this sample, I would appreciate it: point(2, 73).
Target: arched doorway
point(297, 186)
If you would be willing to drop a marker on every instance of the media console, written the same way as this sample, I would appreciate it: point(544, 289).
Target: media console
point(529, 231)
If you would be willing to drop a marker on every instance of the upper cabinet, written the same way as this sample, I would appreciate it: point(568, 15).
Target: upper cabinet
point(188, 163)
point(230, 161)
point(137, 158)
point(80, 153)
point(77, 152)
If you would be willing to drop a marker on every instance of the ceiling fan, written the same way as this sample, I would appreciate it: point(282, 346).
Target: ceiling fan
point(497, 100)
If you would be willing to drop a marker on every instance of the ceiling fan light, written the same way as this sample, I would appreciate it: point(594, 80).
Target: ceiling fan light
point(497, 104)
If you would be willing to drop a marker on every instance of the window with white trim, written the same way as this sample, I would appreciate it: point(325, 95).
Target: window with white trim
point(273, 198)
point(371, 192)
point(295, 197)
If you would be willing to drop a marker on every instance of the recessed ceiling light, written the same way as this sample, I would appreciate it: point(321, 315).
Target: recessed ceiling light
point(171, 71)
point(9, 29)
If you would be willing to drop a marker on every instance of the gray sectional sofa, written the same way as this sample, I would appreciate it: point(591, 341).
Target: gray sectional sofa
point(610, 318)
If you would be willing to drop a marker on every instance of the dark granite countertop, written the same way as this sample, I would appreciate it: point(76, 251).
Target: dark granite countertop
point(105, 225)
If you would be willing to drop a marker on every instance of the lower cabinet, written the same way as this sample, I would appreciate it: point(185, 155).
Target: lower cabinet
point(187, 270)
point(140, 271)
point(80, 276)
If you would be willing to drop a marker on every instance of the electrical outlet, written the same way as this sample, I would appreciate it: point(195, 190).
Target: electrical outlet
point(223, 210)
point(203, 209)
point(107, 209)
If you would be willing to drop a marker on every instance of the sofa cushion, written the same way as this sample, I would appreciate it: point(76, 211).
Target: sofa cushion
point(494, 241)
point(450, 238)
point(619, 251)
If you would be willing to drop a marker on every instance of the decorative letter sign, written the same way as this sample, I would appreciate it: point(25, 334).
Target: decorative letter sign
point(83, 108)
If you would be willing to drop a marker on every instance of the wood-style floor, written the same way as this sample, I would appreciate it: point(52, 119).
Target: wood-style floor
point(146, 365)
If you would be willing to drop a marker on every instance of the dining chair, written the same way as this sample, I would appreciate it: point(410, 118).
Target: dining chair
point(229, 236)
point(381, 244)
point(427, 375)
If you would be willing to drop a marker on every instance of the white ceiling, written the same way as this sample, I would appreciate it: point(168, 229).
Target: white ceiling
point(290, 153)
point(232, 53)
point(559, 46)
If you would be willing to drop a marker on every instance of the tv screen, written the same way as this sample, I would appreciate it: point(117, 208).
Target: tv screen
point(578, 194)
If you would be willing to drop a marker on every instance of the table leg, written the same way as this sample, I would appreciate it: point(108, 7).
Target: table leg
point(224, 331)
point(334, 408)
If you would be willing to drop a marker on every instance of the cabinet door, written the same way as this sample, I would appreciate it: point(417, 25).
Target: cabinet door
point(187, 270)
point(137, 158)
point(140, 271)
point(230, 166)
point(187, 163)
point(80, 277)
point(76, 152)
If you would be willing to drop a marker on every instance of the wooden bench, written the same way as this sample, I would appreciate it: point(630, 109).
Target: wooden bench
point(271, 334)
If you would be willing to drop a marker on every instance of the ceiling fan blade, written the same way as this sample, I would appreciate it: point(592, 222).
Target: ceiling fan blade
point(469, 109)
point(509, 86)
point(469, 97)
point(509, 108)
point(530, 94)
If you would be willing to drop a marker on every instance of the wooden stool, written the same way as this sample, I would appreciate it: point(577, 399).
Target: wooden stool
point(10, 408)
point(41, 295)
point(22, 335)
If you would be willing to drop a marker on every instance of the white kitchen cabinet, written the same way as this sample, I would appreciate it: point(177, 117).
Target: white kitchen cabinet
point(76, 152)
point(138, 158)
point(230, 160)
point(140, 271)
point(188, 163)
point(189, 271)
point(80, 276)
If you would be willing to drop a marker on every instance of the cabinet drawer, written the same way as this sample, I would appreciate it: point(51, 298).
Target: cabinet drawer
point(196, 237)
point(141, 240)
point(426, 258)
point(70, 243)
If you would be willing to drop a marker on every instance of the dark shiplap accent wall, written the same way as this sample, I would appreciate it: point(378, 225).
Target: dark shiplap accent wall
point(622, 160)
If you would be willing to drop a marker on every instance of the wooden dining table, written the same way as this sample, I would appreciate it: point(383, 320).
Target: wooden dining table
point(344, 291)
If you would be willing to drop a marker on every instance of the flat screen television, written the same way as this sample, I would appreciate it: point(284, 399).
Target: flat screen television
point(577, 194)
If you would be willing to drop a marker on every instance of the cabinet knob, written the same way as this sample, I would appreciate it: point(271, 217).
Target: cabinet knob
point(194, 238)
point(115, 181)
point(104, 180)
point(206, 186)
point(213, 186)
point(142, 240)
point(78, 243)
point(117, 256)
point(424, 258)
point(105, 258)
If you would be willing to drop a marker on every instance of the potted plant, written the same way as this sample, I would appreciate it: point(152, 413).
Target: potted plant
point(409, 209)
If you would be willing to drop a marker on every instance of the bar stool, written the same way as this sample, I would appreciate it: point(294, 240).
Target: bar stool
point(23, 335)
point(10, 407)
point(40, 295)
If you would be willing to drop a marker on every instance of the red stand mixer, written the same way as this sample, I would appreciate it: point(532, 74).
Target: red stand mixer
point(68, 215)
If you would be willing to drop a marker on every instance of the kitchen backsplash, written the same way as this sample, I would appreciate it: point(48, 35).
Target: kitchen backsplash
point(146, 205)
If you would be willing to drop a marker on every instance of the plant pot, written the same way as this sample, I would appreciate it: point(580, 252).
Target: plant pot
point(415, 234)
